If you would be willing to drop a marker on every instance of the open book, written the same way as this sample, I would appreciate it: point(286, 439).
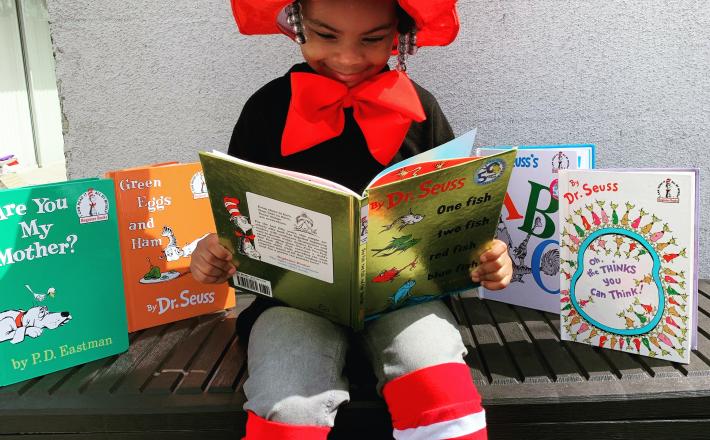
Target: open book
point(414, 234)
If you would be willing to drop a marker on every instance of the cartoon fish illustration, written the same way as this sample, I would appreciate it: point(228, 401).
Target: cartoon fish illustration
point(397, 244)
point(402, 293)
point(390, 274)
point(404, 221)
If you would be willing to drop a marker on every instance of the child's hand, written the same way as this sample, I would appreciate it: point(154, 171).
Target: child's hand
point(496, 268)
point(211, 262)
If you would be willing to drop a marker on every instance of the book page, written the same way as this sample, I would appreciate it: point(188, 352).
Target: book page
point(461, 146)
point(292, 237)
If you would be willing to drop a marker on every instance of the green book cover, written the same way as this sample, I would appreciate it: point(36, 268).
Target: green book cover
point(62, 300)
point(414, 234)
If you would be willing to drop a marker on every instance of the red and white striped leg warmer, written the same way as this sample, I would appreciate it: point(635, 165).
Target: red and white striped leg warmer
point(438, 402)
point(262, 429)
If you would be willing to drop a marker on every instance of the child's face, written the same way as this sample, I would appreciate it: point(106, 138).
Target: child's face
point(348, 40)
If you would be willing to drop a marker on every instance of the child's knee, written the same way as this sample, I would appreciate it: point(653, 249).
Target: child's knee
point(412, 339)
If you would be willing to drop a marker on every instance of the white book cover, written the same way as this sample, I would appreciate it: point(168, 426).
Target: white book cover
point(628, 274)
point(528, 223)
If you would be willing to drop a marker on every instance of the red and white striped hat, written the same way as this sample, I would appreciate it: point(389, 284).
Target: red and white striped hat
point(232, 205)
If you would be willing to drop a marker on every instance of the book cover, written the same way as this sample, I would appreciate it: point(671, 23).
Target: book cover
point(163, 212)
point(320, 247)
point(628, 273)
point(62, 300)
point(528, 223)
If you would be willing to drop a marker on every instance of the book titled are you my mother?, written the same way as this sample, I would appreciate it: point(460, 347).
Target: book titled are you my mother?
point(61, 302)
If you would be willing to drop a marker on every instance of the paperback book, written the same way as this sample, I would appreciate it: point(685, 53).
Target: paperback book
point(628, 273)
point(528, 223)
point(414, 234)
point(61, 302)
point(163, 213)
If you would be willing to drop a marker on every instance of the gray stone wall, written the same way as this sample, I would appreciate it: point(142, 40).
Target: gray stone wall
point(144, 82)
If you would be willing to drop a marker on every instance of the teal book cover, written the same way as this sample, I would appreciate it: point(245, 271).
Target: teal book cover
point(61, 302)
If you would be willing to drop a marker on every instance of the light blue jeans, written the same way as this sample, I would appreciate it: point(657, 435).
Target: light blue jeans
point(296, 359)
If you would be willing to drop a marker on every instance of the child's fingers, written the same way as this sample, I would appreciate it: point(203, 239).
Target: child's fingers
point(492, 266)
point(216, 249)
point(496, 275)
point(497, 249)
point(497, 285)
point(208, 269)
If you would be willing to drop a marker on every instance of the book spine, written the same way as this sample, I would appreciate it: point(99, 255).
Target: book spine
point(3, 379)
point(360, 281)
point(127, 290)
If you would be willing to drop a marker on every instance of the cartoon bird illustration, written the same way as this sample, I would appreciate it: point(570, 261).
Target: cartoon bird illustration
point(51, 292)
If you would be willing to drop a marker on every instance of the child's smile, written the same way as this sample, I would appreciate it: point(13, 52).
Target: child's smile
point(348, 40)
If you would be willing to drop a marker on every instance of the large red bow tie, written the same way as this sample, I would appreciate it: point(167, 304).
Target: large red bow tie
point(249, 237)
point(383, 106)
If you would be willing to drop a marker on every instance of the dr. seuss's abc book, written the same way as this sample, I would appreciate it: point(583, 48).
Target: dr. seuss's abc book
point(528, 223)
point(415, 233)
point(61, 302)
point(163, 213)
point(628, 274)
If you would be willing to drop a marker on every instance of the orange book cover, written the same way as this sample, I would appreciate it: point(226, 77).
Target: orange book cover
point(163, 212)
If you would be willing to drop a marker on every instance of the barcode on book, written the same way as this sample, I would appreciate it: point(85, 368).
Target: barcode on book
point(250, 282)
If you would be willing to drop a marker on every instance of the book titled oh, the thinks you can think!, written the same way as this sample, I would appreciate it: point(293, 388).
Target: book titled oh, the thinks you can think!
point(628, 275)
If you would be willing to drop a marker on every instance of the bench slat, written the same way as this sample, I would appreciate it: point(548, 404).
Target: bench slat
point(547, 342)
point(519, 343)
point(489, 342)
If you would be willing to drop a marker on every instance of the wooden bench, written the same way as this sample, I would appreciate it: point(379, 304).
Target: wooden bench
point(184, 381)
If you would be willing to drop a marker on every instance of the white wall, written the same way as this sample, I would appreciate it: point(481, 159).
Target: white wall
point(144, 82)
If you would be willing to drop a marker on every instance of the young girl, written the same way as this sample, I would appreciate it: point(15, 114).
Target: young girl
point(345, 116)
